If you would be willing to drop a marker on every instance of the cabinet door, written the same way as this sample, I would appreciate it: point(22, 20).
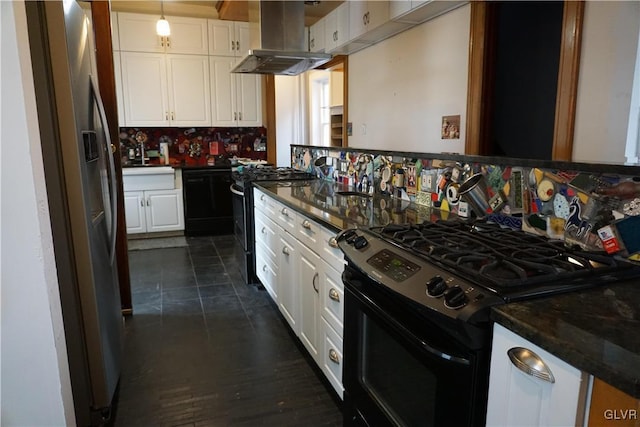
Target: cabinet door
point(115, 34)
point(316, 37)
point(137, 33)
point(287, 283)
point(309, 282)
point(223, 91)
point(267, 271)
point(243, 39)
point(188, 35)
point(164, 210)
point(342, 24)
point(144, 89)
point(134, 212)
point(222, 38)
point(249, 99)
point(519, 399)
point(189, 97)
point(330, 30)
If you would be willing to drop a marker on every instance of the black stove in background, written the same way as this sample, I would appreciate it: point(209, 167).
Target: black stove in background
point(243, 221)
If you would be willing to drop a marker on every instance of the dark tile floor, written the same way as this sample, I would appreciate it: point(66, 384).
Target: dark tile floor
point(204, 349)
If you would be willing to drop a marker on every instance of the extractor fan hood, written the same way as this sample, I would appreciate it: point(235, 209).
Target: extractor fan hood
point(277, 40)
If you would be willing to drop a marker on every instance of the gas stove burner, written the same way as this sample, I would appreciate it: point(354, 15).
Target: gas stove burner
point(497, 257)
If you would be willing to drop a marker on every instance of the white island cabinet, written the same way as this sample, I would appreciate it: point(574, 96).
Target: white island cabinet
point(299, 264)
point(529, 386)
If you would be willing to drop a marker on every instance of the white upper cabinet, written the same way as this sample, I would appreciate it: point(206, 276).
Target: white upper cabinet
point(165, 90)
point(228, 38)
point(235, 98)
point(336, 27)
point(137, 33)
point(316, 36)
point(365, 16)
point(117, 75)
point(419, 11)
point(115, 35)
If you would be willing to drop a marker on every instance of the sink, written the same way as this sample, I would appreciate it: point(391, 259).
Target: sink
point(352, 193)
point(148, 178)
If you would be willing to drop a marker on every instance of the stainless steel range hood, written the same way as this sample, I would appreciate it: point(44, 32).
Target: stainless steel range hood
point(277, 40)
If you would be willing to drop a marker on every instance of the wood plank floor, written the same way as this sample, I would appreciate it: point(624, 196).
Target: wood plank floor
point(204, 349)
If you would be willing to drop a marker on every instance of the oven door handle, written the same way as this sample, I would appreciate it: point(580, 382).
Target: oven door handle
point(232, 187)
point(393, 323)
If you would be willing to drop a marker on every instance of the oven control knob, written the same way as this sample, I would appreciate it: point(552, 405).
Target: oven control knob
point(360, 242)
point(436, 286)
point(454, 297)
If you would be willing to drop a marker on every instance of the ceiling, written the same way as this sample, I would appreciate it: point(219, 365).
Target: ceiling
point(223, 9)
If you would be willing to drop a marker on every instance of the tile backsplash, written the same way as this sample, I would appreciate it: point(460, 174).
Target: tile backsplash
point(193, 146)
point(594, 206)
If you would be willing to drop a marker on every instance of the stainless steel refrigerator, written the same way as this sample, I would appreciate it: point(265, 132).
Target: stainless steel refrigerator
point(81, 189)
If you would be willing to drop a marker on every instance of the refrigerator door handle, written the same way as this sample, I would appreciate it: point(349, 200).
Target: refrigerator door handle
point(112, 167)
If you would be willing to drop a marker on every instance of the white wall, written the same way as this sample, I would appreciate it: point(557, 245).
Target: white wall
point(35, 388)
point(399, 89)
point(291, 115)
point(609, 48)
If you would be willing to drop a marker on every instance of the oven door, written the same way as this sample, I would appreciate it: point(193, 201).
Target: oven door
point(402, 369)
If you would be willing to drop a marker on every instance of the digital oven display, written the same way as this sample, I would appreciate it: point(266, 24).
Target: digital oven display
point(393, 266)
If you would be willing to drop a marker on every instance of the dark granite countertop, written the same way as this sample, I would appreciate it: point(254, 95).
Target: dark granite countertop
point(596, 331)
point(320, 200)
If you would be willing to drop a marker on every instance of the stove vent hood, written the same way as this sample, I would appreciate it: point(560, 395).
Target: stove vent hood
point(276, 29)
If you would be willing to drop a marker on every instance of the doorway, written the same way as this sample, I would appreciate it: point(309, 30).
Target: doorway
point(523, 72)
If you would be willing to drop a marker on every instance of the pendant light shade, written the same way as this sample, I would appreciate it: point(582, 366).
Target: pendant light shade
point(162, 26)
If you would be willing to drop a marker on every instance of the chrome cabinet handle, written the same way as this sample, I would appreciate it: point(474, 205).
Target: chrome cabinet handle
point(173, 115)
point(166, 115)
point(240, 115)
point(530, 363)
point(306, 224)
point(313, 283)
point(142, 202)
point(264, 230)
point(262, 197)
point(168, 41)
point(148, 203)
point(333, 356)
point(285, 250)
point(264, 268)
point(333, 242)
point(235, 116)
point(334, 295)
point(284, 212)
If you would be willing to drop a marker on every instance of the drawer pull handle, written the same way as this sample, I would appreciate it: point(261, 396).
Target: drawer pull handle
point(334, 295)
point(264, 268)
point(306, 224)
point(285, 250)
point(262, 197)
point(284, 212)
point(333, 356)
point(313, 283)
point(333, 242)
point(530, 363)
point(264, 230)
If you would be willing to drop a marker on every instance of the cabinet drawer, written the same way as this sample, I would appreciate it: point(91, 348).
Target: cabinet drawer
point(266, 233)
point(266, 204)
point(266, 271)
point(332, 298)
point(330, 251)
point(308, 231)
point(286, 217)
point(332, 357)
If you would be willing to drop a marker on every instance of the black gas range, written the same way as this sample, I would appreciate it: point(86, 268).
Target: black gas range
point(242, 190)
point(419, 295)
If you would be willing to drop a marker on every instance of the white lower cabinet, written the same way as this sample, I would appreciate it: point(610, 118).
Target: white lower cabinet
point(554, 396)
point(302, 272)
point(153, 211)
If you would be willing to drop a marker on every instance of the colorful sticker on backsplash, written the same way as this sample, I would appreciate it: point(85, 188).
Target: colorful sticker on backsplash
point(592, 210)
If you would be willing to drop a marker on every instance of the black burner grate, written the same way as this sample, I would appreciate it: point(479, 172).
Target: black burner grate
point(496, 257)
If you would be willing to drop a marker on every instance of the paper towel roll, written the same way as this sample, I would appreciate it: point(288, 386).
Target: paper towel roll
point(164, 150)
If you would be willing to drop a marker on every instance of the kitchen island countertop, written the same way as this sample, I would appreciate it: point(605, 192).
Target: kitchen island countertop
point(596, 331)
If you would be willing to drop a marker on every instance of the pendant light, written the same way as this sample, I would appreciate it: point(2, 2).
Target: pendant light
point(162, 26)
